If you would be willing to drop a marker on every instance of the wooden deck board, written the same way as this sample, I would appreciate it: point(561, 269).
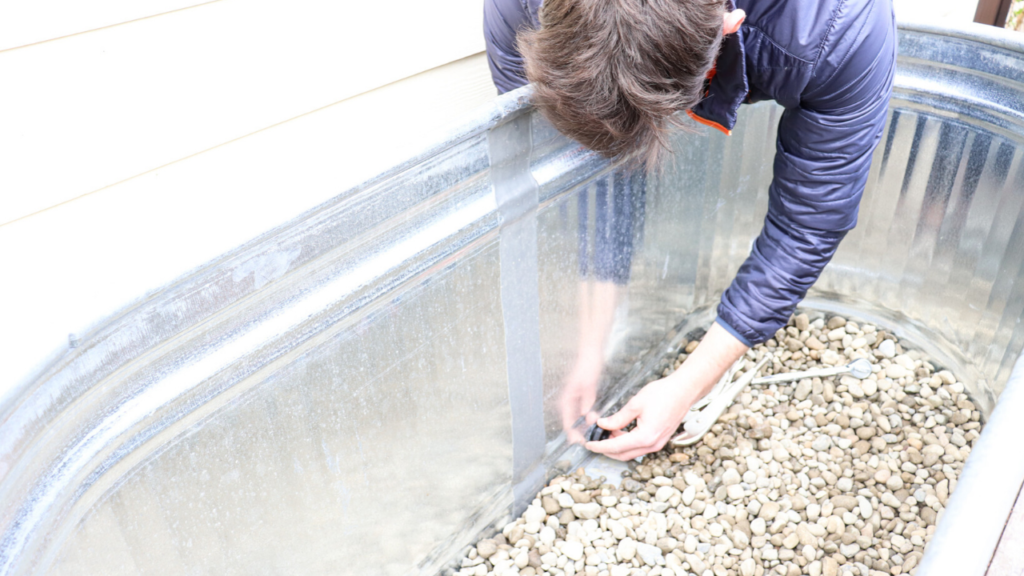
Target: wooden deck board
point(1008, 559)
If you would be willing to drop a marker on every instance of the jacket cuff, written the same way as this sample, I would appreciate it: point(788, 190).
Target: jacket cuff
point(750, 333)
point(734, 332)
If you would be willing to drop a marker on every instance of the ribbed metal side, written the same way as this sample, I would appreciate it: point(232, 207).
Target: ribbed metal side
point(940, 239)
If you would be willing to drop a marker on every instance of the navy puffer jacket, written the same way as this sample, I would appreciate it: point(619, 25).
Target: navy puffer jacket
point(830, 64)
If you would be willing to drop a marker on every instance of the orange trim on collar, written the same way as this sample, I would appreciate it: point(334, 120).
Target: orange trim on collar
point(707, 122)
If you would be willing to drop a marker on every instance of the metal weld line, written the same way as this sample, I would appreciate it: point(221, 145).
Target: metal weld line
point(516, 193)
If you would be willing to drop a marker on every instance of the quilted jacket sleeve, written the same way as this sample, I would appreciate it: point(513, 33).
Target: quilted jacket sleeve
point(823, 156)
point(502, 21)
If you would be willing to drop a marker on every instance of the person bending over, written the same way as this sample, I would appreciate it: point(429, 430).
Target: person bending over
point(613, 74)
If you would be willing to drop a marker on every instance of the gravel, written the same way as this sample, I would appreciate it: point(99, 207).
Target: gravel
point(819, 477)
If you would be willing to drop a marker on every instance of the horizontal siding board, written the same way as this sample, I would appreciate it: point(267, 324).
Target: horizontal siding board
point(24, 22)
point(68, 267)
point(98, 108)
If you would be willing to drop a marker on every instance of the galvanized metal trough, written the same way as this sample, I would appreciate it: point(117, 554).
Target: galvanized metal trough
point(370, 387)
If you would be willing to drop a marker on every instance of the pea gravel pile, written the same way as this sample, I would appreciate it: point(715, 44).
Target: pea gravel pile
point(821, 476)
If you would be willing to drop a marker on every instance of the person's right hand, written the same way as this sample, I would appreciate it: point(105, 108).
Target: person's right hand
point(660, 406)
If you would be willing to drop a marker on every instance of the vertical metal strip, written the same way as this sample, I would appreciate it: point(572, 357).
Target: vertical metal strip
point(516, 192)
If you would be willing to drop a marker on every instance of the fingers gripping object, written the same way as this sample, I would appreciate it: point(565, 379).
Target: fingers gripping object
point(597, 434)
point(706, 412)
point(592, 434)
point(709, 409)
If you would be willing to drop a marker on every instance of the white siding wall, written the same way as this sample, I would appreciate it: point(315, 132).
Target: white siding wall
point(140, 140)
point(937, 11)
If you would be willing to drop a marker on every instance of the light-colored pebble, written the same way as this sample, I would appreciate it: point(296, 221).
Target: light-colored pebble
point(887, 349)
point(587, 511)
point(573, 550)
point(626, 550)
point(651, 555)
point(821, 443)
point(895, 371)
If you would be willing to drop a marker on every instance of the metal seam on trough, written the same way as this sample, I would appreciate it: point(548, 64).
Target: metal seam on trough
point(510, 147)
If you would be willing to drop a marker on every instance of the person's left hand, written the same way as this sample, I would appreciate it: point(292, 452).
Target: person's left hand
point(579, 392)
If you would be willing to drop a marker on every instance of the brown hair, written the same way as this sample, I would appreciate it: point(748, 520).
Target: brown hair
point(611, 73)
